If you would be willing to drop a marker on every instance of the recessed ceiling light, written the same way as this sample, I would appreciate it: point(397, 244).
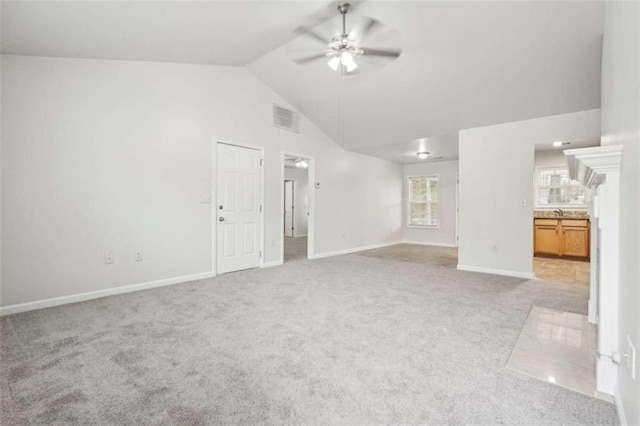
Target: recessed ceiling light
point(422, 155)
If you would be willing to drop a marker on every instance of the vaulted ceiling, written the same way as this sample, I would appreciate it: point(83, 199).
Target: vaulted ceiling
point(464, 64)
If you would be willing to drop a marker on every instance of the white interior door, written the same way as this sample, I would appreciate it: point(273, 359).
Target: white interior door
point(288, 208)
point(238, 218)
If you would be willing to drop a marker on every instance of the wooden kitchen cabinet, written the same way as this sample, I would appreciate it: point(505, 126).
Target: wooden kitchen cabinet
point(561, 238)
point(546, 236)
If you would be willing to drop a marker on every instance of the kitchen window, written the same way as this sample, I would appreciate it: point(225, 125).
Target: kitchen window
point(423, 201)
point(554, 188)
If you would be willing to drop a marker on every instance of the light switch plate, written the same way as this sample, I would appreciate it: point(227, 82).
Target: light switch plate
point(109, 258)
point(205, 199)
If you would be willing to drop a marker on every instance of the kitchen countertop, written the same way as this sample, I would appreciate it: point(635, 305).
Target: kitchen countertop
point(567, 214)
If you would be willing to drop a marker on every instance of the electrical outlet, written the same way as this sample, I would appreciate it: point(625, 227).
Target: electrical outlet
point(205, 199)
point(109, 258)
point(523, 203)
point(631, 358)
point(138, 255)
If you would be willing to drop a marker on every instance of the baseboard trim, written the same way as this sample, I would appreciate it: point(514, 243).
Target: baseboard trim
point(81, 297)
point(272, 263)
point(422, 243)
point(504, 272)
point(619, 407)
point(353, 250)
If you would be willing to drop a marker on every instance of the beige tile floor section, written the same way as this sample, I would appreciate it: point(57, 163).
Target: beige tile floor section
point(557, 347)
point(554, 346)
point(547, 269)
point(429, 255)
point(561, 270)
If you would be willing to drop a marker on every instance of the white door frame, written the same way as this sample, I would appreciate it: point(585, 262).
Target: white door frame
point(214, 201)
point(311, 224)
point(293, 201)
point(457, 242)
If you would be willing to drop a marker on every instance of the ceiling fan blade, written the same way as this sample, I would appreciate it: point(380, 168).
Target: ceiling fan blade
point(389, 53)
point(302, 30)
point(367, 28)
point(307, 59)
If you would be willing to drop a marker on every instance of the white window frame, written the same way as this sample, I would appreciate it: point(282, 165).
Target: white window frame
point(539, 206)
point(408, 201)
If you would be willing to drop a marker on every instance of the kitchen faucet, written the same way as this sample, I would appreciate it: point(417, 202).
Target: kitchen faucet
point(559, 212)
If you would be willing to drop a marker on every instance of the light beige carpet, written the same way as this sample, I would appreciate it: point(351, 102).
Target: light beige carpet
point(343, 340)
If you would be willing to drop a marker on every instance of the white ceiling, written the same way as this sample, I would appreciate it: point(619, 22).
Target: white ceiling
point(440, 148)
point(199, 32)
point(464, 64)
point(546, 146)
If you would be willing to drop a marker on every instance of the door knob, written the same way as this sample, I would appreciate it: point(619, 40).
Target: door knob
point(221, 219)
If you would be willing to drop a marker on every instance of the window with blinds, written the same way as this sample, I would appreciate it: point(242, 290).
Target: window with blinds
point(423, 201)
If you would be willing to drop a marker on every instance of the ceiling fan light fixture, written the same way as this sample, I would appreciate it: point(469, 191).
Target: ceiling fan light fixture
point(423, 155)
point(347, 60)
point(334, 63)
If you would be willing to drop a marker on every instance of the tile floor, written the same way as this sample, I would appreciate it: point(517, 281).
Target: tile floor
point(554, 346)
point(547, 269)
point(561, 270)
point(557, 347)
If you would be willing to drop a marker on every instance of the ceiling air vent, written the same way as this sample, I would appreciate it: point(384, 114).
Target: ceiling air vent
point(285, 119)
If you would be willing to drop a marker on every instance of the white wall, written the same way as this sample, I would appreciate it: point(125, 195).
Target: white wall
point(114, 155)
point(496, 165)
point(300, 199)
point(445, 234)
point(621, 126)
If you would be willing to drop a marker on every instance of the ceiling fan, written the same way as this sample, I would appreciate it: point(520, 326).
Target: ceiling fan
point(344, 50)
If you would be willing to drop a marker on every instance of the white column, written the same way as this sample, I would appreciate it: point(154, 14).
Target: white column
point(608, 271)
point(599, 169)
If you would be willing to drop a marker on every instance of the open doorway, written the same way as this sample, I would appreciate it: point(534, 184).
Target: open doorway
point(562, 234)
point(296, 208)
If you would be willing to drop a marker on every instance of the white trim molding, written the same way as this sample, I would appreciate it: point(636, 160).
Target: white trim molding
point(589, 166)
point(506, 273)
point(422, 243)
point(353, 250)
point(619, 406)
point(272, 264)
point(81, 297)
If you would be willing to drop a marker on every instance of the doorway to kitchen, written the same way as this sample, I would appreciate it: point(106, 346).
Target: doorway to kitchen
point(561, 225)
